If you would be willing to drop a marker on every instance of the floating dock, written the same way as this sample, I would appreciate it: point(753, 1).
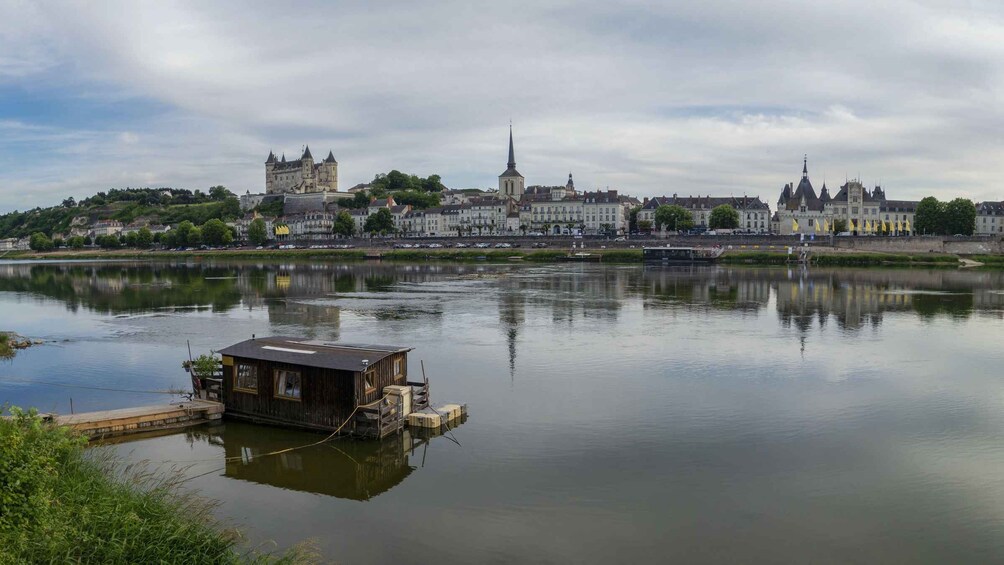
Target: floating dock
point(108, 423)
point(446, 415)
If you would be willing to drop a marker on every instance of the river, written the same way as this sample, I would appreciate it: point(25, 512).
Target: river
point(753, 415)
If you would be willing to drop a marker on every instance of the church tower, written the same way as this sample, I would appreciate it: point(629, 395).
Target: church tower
point(511, 182)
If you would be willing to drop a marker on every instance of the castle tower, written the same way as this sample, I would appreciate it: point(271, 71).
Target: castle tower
point(511, 182)
point(309, 182)
point(327, 178)
point(270, 173)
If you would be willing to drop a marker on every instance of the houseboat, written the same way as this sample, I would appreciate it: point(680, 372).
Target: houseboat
point(327, 386)
point(680, 255)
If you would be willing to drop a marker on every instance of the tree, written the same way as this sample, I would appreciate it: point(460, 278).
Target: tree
point(215, 232)
point(69, 202)
point(633, 218)
point(959, 217)
point(88, 240)
point(839, 226)
point(256, 232)
point(169, 239)
point(723, 217)
point(130, 239)
point(344, 224)
point(57, 242)
point(644, 225)
point(231, 208)
point(672, 217)
point(380, 222)
point(181, 232)
point(194, 237)
point(929, 217)
point(219, 192)
point(76, 242)
point(433, 183)
point(522, 228)
point(40, 242)
point(144, 238)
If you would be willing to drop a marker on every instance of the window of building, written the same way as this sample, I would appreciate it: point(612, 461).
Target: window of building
point(287, 384)
point(854, 209)
point(397, 367)
point(246, 378)
point(369, 380)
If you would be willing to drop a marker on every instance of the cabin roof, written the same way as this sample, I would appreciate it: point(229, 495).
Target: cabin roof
point(312, 353)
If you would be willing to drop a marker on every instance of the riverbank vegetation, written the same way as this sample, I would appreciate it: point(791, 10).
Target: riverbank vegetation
point(59, 506)
point(154, 205)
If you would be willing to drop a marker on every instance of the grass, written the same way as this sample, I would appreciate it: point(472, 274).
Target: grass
point(6, 351)
point(59, 506)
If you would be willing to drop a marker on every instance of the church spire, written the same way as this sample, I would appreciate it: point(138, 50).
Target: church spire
point(805, 166)
point(512, 154)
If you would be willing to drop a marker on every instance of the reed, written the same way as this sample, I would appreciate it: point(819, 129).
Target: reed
point(59, 506)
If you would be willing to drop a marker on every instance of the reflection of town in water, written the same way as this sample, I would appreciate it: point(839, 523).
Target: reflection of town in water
point(313, 296)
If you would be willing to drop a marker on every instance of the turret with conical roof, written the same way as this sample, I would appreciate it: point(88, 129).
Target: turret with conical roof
point(306, 153)
point(330, 158)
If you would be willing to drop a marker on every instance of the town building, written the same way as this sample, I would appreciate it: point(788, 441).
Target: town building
point(854, 208)
point(754, 214)
point(989, 218)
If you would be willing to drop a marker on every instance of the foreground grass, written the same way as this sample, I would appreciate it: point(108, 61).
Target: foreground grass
point(56, 506)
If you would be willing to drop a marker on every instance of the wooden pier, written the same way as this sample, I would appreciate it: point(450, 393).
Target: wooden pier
point(108, 423)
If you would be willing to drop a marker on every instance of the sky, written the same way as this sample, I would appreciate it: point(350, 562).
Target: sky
point(712, 97)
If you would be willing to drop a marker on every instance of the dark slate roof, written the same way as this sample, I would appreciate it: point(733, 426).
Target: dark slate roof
point(898, 205)
point(601, 197)
point(707, 202)
point(306, 153)
point(271, 158)
point(312, 353)
point(804, 190)
point(785, 195)
point(990, 208)
point(824, 194)
point(510, 170)
point(330, 158)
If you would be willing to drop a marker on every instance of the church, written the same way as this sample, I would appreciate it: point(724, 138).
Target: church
point(301, 176)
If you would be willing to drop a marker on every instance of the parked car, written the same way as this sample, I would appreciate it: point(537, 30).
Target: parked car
point(540, 244)
point(461, 245)
point(621, 238)
point(435, 246)
point(481, 245)
point(502, 246)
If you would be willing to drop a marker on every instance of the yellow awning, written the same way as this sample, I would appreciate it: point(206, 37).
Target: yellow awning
point(906, 226)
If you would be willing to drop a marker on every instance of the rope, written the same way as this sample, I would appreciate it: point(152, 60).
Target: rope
point(278, 451)
point(67, 385)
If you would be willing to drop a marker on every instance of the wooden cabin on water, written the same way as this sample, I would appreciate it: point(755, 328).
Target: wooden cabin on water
point(319, 385)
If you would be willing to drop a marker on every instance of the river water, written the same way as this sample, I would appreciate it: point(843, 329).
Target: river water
point(616, 412)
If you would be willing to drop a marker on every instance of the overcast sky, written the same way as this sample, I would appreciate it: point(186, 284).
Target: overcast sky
point(709, 97)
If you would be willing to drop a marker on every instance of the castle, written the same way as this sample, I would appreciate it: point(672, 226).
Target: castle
point(301, 176)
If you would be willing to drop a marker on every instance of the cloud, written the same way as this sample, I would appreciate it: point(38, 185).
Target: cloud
point(693, 97)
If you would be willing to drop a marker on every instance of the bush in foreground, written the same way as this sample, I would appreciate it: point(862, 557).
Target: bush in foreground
point(56, 506)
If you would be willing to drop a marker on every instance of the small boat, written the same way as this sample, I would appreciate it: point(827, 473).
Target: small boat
point(680, 255)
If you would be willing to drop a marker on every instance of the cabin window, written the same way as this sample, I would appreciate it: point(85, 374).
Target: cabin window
point(246, 378)
point(287, 384)
point(397, 368)
point(369, 380)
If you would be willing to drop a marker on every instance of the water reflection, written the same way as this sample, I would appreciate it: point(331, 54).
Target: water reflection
point(354, 470)
point(314, 295)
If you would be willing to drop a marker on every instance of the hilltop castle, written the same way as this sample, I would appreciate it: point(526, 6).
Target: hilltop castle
point(301, 176)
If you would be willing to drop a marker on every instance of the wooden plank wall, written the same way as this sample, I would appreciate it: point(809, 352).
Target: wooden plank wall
point(384, 377)
point(327, 397)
